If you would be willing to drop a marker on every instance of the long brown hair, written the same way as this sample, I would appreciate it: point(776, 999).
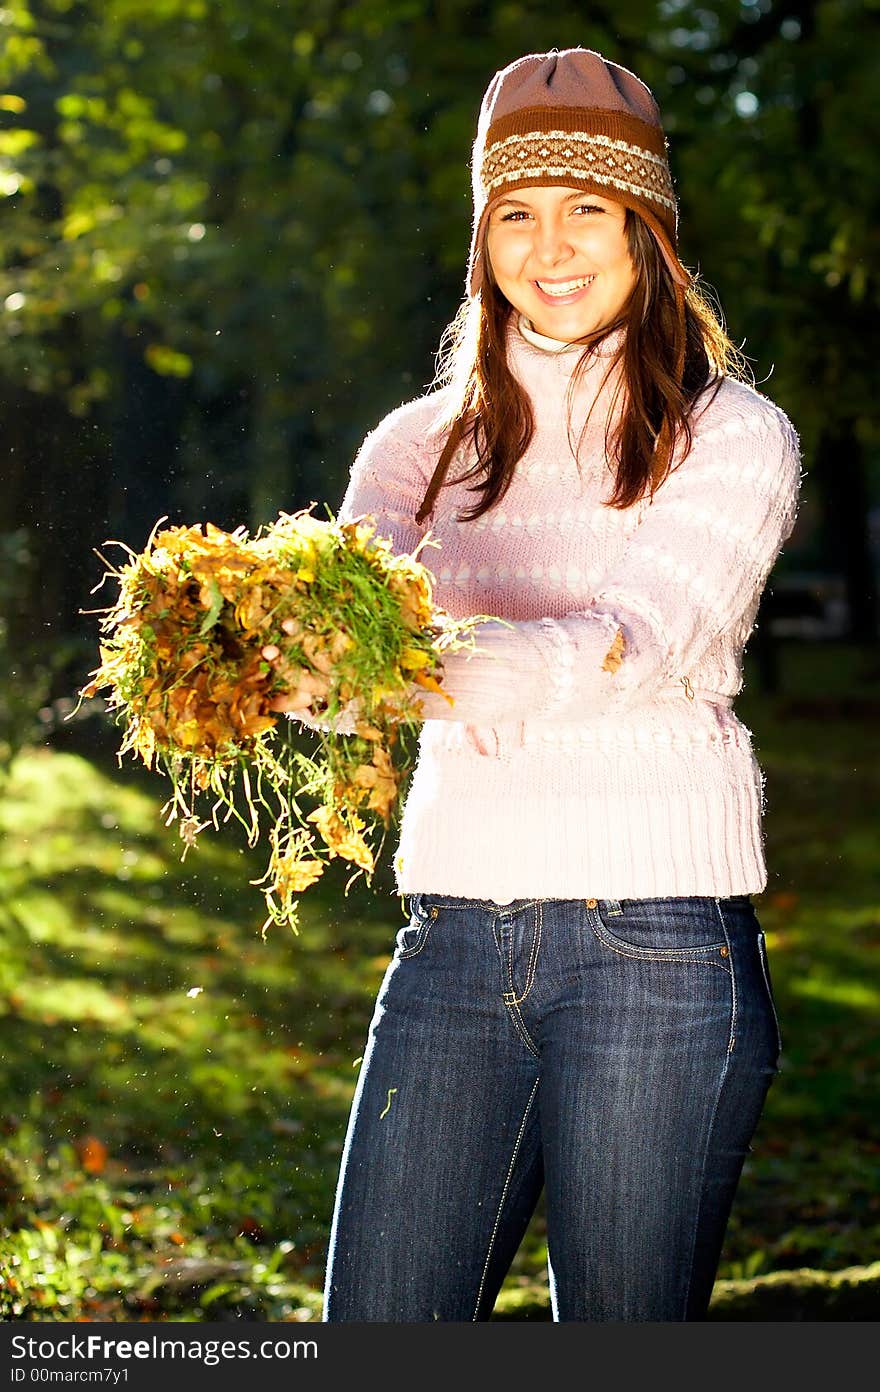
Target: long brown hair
point(665, 331)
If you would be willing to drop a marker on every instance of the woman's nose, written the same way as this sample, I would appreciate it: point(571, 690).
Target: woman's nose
point(550, 243)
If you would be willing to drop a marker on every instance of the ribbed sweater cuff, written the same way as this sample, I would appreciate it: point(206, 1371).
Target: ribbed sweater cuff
point(535, 669)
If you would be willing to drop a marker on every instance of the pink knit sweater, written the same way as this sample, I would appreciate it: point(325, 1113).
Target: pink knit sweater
point(592, 750)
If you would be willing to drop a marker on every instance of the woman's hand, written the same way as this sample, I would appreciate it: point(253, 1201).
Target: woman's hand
point(291, 703)
point(342, 724)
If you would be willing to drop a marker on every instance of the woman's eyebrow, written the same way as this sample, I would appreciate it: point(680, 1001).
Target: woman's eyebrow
point(518, 203)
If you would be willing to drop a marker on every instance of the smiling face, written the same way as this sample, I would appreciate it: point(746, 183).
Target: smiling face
point(561, 256)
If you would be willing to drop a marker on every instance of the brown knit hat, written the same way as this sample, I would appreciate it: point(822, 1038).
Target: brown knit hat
point(572, 117)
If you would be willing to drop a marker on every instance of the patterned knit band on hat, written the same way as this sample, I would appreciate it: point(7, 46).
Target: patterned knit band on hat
point(572, 117)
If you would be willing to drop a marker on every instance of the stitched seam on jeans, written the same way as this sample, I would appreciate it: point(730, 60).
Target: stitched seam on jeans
point(709, 1129)
point(509, 998)
point(762, 953)
point(435, 901)
point(735, 1001)
point(698, 1207)
point(649, 955)
point(427, 925)
point(519, 1026)
point(405, 956)
point(512, 988)
point(533, 959)
point(504, 1196)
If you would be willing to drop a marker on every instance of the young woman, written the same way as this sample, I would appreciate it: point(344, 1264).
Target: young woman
point(580, 999)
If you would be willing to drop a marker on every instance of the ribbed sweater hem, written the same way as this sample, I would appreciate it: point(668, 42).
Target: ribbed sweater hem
point(687, 822)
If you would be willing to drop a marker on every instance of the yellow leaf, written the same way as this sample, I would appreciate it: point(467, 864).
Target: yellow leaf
point(342, 840)
point(413, 659)
point(293, 875)
point(430, 684)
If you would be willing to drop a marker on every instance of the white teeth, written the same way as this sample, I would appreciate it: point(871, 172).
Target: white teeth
point(567, 289)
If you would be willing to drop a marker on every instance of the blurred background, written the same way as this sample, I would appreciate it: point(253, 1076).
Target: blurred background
point(232, 234)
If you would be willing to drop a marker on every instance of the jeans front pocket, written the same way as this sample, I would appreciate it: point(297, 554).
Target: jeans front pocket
point(686, 928)
point(413, 936)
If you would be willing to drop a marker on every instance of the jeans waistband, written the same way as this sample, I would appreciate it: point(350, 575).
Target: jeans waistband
point(613, 906)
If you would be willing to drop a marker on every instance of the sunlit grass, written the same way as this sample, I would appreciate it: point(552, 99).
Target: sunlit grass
point(176, 1088)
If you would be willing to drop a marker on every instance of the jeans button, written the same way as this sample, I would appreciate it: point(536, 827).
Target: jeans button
point(592, 903)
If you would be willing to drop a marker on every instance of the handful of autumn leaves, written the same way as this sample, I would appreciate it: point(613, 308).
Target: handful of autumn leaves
point(210, 628)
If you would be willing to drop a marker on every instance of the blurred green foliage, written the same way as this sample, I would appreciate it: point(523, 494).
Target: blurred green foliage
point(234, 231)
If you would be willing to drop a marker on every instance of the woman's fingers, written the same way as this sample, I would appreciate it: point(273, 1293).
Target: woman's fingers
point(292, 703)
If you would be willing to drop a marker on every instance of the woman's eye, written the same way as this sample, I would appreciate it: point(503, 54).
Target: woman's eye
point(516, 213)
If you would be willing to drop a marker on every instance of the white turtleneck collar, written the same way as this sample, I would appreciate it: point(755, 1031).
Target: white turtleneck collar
point(606, 349)
point(545, 366)
point(550, 345)
point(524, 343)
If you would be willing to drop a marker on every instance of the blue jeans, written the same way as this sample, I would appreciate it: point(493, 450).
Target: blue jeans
point(616, 1052)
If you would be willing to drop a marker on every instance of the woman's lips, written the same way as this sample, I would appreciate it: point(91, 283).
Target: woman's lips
point(571, 298)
